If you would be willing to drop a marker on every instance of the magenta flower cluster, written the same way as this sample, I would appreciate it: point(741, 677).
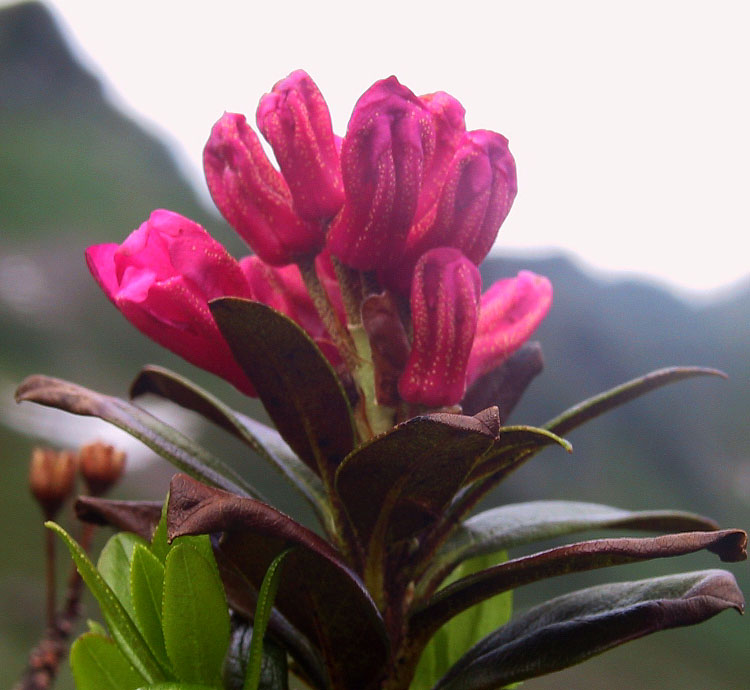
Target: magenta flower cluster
point(408, 195)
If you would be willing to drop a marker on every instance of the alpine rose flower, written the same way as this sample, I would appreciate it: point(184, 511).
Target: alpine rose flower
point(388, 145)
point(162, 278)
point(253, 196)
point(478, 189)
point(295, 120)
point(510, 312)
point(444, 309)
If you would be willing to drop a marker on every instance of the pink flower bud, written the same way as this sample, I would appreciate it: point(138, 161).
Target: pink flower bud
point(295, 120)
point(162, 278)
point(478, 189)
point(444, 306)
point(388, 146)
point(283, 289)
point(253, 196)
point(509, 313)
point(448, 121)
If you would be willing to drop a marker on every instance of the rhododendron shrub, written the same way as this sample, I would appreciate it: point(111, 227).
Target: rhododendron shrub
point(361, 324)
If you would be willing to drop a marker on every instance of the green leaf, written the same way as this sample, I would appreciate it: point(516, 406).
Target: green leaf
point(266, 596)
point(179, 686)
point(729, 545)
point(183, 453)
point(195, 619)
point(523, 523)
point(455, 638)
point(264, 440)
point(599, 404)
point(122, 628)
point(572, 628)
point(159, 542)
point(114, 566)
point(147, 589)
point(96, 628)
point(98, 664)
point(319, 595)
point(296, 384)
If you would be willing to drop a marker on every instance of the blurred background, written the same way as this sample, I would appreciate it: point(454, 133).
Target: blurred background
point(629, 127)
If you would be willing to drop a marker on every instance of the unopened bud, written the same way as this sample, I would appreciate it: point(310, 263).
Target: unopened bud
point(101, 466)
point(253, 196)
point(51, 478)
point(510, 312)
point(444, 308)
point(294, 118)
point(389, 143)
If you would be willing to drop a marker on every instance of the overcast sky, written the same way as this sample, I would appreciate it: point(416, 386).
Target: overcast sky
point(629, 121)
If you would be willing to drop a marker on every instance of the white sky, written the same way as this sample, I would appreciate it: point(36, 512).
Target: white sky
point(629, 121)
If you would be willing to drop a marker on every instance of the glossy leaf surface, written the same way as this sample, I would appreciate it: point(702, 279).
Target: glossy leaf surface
point(114, 566)
point(195, 619)
point(265, 441)
point(172, 445)
point(570, 629)
point(523, 523)
point(296, 384)
point(98, 664)
point(319, 593)
point(729, 545)
point(121, 626)
point(147, 590)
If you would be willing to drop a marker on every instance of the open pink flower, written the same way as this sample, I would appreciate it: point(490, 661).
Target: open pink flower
point(510, 312)
point(254, 197)
point(294, 118)
point(444, 308)
point(162, 278)
point(388, 145)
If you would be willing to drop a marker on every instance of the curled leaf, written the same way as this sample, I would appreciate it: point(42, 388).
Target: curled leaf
point(729, 545)
point(172, 445)
point(572, 628)
point(264, 440)
point(512, 525)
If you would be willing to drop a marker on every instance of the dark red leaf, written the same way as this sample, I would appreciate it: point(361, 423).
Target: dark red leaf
point(319, 594)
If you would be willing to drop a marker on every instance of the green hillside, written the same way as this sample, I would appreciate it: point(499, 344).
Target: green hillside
point(74, 171)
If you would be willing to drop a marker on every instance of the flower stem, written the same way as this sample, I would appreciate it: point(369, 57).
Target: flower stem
point(326, 311)
point(50, 575)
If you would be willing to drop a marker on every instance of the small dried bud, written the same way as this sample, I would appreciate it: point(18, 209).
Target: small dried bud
point(101, 466)
point(51, 478)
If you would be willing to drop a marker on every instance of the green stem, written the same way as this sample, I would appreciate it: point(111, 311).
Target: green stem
point(327, 313)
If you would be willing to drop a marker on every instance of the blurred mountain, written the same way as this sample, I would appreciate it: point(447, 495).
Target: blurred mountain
point(75, 171)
